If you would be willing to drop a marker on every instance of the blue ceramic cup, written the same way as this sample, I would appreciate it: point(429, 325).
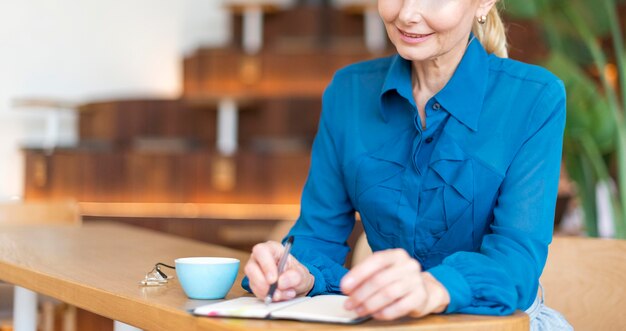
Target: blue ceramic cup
point(206, 277)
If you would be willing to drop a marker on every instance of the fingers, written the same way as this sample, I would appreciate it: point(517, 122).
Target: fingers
point(289, 279)
point(261, 260)
point(382, 299)
point(438, 296)
point(258, 282)
point(367, 289)
point(387, 285)
point(305, 282)
point(385, 289)
point(287, 282)
point(296, 278)
point(409, 304)
point(282, 295)
point(266, 256)
point(362, 272)
point(368, 268)
point(398, 299)
point(262, 271)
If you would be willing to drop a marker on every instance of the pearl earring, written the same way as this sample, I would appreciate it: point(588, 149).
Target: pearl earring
point(482, 19)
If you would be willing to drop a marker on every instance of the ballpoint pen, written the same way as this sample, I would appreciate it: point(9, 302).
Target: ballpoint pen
point(281, 266)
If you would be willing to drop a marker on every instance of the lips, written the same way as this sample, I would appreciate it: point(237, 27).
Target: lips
point(414, 35)
point(414, 38)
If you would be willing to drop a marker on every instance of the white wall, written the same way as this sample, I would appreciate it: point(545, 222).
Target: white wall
point(79, 50)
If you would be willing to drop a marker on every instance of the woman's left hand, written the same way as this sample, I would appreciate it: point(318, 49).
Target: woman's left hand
point(390, 284)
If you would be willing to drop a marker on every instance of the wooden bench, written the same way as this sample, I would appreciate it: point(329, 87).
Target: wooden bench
point(585, 280)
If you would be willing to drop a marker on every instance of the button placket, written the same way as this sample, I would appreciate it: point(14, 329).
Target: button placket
point(417, 143)
point(417, 122)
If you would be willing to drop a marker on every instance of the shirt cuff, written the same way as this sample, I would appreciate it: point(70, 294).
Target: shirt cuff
point(245, 284)
point(454, 282)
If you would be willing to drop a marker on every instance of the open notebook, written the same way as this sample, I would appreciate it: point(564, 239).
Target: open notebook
point(321, 308)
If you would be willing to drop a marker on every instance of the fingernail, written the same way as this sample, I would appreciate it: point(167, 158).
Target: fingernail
point(290, 294)
point(360, 311)
point(348, 305)
point(348, 282)
point(270, 277)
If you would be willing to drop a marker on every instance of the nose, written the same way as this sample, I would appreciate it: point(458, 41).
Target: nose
point(410, 12)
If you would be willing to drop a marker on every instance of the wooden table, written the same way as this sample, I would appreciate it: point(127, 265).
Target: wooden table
point(98, 267)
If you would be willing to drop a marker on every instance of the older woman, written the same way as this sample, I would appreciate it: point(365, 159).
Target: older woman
point(450, 153)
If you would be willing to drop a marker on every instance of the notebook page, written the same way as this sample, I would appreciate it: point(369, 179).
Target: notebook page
point(321, 308)
point(249, 307)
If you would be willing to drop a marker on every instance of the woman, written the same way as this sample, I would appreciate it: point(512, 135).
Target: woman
point(450, 153)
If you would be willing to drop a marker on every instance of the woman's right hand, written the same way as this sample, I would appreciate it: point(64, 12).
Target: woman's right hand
point(262, 270)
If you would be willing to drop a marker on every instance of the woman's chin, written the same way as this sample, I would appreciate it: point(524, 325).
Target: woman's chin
point(414, 55)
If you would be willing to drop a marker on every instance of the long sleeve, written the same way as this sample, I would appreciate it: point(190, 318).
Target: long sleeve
point(503, 275)
point(327, 215)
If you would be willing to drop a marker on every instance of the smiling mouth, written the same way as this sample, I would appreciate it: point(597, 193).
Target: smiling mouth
point(414, 35)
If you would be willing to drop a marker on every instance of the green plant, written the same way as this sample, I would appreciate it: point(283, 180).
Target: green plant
point(587, 52)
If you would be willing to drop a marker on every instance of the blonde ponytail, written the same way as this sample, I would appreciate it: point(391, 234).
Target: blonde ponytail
point(492, 34)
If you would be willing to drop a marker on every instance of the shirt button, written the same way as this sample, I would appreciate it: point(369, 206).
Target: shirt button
point(436, 106)
point(429, 140)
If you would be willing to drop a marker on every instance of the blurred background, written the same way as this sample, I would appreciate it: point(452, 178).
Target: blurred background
point(157, 112)
point(196, 117)
point(68, 53)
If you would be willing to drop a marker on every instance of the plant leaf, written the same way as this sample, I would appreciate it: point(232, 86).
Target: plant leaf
point(588, 110)
point(522, 9)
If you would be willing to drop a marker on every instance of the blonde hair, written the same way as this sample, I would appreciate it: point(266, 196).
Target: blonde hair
point(492, 34)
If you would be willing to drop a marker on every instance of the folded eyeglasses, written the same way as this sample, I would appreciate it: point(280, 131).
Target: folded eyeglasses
point(156, 277)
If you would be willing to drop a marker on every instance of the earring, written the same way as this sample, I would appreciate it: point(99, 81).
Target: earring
point(482, 19)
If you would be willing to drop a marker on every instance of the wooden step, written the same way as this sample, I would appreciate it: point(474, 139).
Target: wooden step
point(188, 124)
point(192, 177)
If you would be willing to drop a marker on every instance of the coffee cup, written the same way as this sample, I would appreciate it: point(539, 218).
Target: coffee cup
point(206, 277)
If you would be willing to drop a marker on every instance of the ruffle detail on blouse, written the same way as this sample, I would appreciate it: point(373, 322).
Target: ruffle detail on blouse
point(451, 164)
point(379, 190)
point(447, 195)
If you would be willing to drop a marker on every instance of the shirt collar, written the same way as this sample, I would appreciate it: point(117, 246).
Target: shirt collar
point(398, 79)
point(462, 96)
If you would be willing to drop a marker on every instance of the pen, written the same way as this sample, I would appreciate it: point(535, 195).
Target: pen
point(281, 266)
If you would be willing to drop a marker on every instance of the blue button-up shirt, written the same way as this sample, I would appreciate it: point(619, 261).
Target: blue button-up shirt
point(471, 197)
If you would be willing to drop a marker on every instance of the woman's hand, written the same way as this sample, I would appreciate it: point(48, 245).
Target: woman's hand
point(390, 284)
point(262, 270)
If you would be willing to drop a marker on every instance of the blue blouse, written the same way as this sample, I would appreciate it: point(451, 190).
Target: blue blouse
point(471, 197)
